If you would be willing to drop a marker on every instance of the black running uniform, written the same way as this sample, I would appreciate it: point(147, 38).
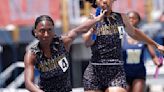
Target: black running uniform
point(54, 71)
point(106, 65)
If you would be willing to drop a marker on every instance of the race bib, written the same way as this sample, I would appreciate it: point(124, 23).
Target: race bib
point(133, 56)
point(121, 31)
point(63, 63)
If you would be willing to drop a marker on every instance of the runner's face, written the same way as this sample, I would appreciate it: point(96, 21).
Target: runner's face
point(105, 4)
point(133, 19)
point(44, 31)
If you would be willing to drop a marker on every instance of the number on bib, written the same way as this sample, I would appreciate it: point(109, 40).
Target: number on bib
point(63, 63)
point(121, 31)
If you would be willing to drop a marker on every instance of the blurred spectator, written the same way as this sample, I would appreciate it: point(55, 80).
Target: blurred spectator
point(162, 17)
point(154, 28)
point(162, 22)
point(1, 50)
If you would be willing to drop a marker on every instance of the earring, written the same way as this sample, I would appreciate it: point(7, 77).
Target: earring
point(35, 35)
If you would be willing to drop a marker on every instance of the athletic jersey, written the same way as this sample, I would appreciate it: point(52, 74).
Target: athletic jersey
point(133, 53)
point(54, 71)
point(133, 56)
point(106, 50)
point(107, 47)
point(54, 66)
